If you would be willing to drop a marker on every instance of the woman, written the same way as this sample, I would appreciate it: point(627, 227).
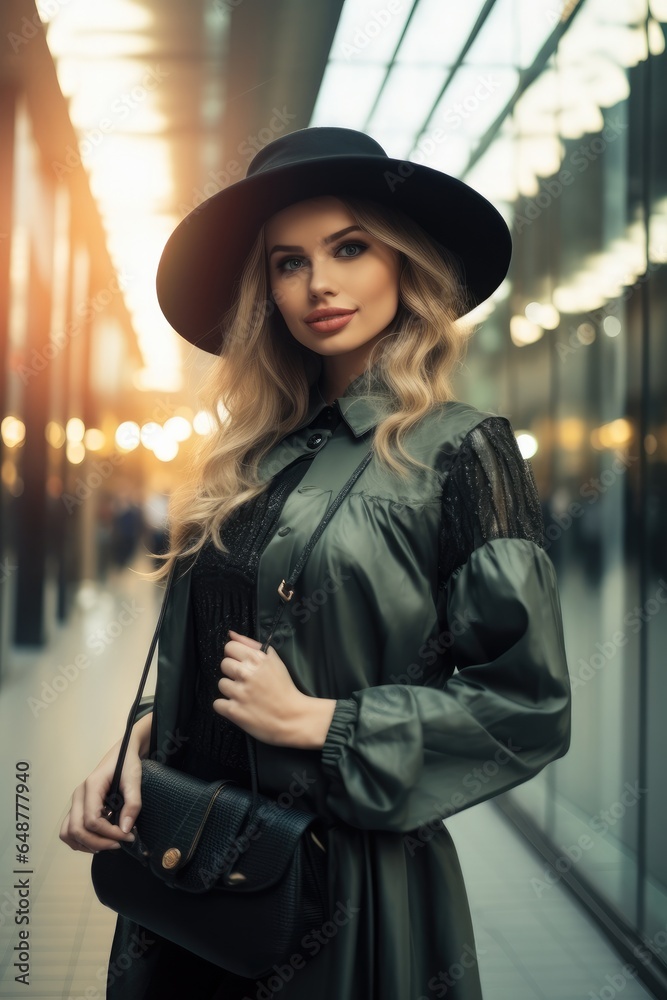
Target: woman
point(423, 668)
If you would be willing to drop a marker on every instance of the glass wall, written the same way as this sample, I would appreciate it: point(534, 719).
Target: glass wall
point(584, 371)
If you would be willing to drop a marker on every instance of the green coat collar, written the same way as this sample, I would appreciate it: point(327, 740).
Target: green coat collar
point(360, 413)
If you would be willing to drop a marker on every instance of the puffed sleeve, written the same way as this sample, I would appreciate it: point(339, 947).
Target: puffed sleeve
point(401, 756)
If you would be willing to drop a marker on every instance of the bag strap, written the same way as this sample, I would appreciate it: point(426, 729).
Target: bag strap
point(114, 799)
point(286, 592)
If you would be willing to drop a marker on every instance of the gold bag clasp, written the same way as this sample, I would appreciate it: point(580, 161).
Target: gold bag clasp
point(171, 857)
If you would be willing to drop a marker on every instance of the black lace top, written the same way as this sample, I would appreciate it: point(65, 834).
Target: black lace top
point(223, 596)
point(490, 493)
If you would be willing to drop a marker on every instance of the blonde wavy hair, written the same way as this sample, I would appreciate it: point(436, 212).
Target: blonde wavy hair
point(257, 389)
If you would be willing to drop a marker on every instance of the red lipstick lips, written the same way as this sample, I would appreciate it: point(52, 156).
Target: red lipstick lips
point(327, 320)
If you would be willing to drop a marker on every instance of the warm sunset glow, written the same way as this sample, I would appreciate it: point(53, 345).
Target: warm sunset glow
point(76, 452)
point(55, 434)
point(165, 449)
point(203, 423)
point(75, 429)
point(94, 439)
point(127, 436)
point(178, 428)
point(114, 97)
point(523, 332)
point(151, 433)
point(13, 431)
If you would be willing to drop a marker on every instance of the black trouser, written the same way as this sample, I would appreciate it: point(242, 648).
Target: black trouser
point(165, 971)
point(179, 973)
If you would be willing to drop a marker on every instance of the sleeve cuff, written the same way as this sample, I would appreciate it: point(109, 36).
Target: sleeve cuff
point(146, 705)
point(341, 728)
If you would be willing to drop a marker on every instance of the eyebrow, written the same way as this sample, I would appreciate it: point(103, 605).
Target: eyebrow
point(327, 239)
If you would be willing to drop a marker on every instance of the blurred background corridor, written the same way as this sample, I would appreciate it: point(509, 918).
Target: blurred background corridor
point(117, 118)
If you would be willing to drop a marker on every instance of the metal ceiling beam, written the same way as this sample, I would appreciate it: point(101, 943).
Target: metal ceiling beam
point(476, 28)
point(526, 77)
point(277, 57)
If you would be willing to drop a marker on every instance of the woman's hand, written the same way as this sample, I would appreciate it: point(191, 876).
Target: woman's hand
point(85, 828)
point(261, 697)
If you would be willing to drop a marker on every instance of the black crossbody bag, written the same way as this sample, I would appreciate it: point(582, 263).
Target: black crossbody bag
point(250, 874)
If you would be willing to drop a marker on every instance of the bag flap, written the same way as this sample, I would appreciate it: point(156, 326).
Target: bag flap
point(193, 833)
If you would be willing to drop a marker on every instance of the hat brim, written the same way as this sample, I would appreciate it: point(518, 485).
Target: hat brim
point(204, 256)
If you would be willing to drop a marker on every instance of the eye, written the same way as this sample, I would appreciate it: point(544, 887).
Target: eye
point(282, 264)
point(355, 246)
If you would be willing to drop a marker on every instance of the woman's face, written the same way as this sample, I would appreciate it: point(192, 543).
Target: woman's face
point(319, 259)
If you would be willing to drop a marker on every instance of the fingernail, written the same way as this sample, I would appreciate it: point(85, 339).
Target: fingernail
point(131, 838)
point(126, 825)
point(114, 847)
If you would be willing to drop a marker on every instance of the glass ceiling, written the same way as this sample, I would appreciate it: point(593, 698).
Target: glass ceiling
point(115, 66)
point(466, 88)
point(472, 89)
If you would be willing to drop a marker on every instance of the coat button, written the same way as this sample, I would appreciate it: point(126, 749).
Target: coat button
point(284, 531)
point(315, 440)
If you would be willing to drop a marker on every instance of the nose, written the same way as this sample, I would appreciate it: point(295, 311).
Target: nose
point(322, 281)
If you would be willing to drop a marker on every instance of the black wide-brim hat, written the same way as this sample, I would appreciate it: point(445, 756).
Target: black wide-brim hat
point(204, 256)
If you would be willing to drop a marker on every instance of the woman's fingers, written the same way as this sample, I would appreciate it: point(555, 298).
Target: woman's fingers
point(73, 831)
point(131, 788)
point(85, 827)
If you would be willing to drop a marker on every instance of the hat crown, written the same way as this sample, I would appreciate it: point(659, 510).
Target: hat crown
point(201, 265)
point(313, 144)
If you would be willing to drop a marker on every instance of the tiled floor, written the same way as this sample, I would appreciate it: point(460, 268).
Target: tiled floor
point(530, 947)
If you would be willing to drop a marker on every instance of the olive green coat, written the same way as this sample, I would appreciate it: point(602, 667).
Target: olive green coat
point(411, 741)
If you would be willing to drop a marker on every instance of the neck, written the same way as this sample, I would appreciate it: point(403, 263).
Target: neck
point(331, 389)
